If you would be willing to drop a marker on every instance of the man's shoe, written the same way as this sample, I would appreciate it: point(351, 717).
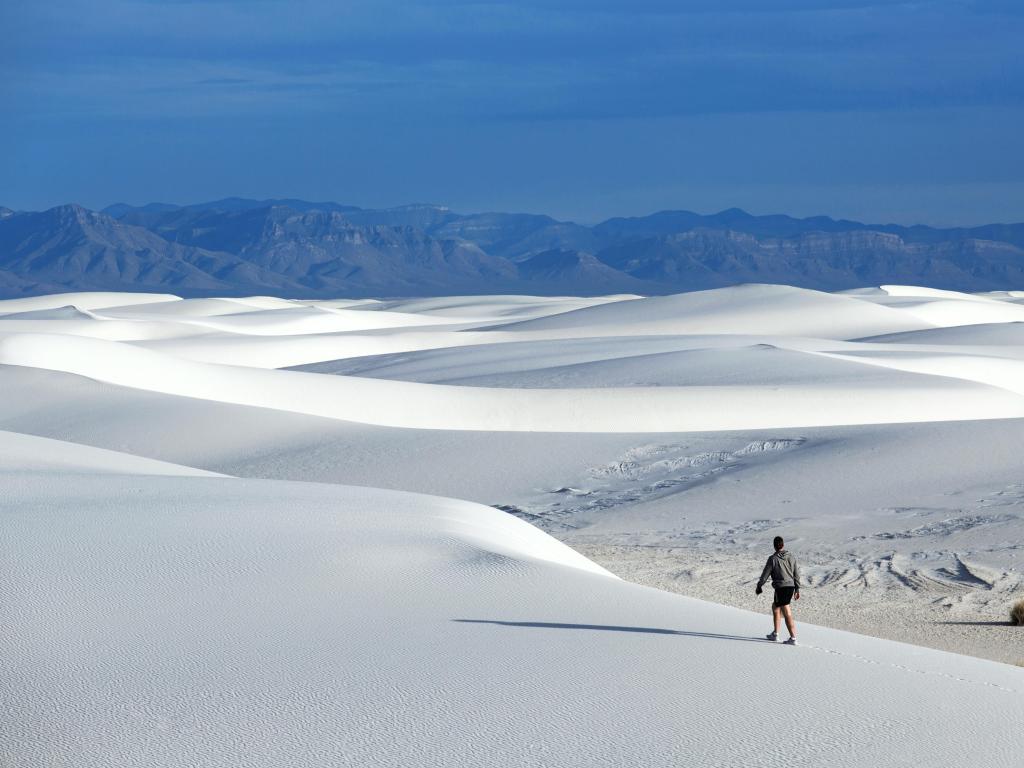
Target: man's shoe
point(791, 641)
point(773, 636)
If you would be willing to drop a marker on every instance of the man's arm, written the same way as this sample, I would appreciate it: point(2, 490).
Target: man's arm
point(796, 578)
point(764, 576)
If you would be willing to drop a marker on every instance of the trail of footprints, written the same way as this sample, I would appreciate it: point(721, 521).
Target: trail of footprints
point(642, 473)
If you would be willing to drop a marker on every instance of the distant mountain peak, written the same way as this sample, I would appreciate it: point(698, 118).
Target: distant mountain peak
point(73, 212)
point(70, 208)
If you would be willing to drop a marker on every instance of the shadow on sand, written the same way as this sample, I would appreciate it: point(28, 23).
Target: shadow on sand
point(611, 628)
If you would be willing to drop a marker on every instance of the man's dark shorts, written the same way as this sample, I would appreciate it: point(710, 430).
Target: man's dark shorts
point(783, 596)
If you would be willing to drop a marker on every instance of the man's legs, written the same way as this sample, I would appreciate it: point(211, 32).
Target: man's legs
point(776, 617)
point(787, 612)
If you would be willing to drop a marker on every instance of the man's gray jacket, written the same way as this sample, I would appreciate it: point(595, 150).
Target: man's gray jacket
point(782, 569)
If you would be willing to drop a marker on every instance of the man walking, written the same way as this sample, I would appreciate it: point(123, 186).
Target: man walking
point(785, 576)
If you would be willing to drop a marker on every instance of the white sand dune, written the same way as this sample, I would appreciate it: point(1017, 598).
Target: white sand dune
point(85, 300)
point(681, 361)
point(289, 321)
point(279, 351)
point(921, 292)
point(452, 363)
point(944, 313)
point(185, 308)
point(747, 309)
point(491, 309)
point(21, 454)
point(917, 291)
point(999, 372)
point(124, 325)
point(77, 323)
point(298, 333)
point(59, 313)
point(977, 335)
point(164, 606)
point(771, 383)
point(430, 406)
point(182, 621)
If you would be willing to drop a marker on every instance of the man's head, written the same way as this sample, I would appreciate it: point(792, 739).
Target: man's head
point(778, 543)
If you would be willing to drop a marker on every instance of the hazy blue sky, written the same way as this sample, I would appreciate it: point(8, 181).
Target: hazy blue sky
point(886, 111)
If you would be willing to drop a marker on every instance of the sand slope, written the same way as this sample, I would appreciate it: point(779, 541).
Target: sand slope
point(193, 621)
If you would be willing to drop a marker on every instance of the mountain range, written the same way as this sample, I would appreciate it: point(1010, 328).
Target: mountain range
point(297, 248)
